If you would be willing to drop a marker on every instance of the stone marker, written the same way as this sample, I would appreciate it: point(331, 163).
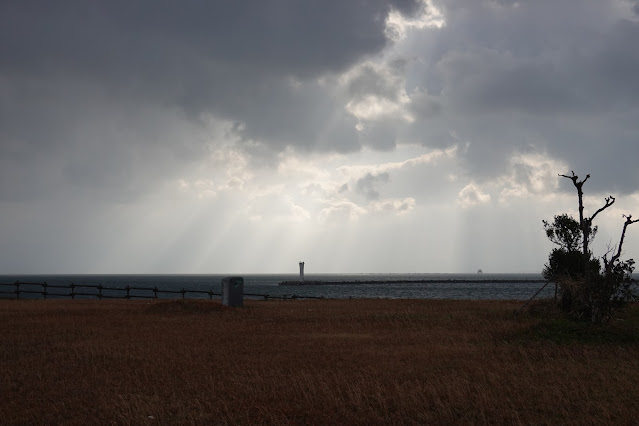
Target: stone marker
point(233, 291)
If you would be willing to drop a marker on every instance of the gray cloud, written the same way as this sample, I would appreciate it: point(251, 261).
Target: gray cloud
point(170, 136)
point(371, 81)
point(368, 185)
point(112, 93)
point(105, 39)
point(109, 93)
point(556, 77)
point(305, 117)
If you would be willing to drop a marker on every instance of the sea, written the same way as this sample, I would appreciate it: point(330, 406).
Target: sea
point(475, 286)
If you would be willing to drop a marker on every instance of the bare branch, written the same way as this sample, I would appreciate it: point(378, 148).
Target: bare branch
point(573, 178)
point(610, 200)
point(627, 223)
point(609, 250)
point(629, 219)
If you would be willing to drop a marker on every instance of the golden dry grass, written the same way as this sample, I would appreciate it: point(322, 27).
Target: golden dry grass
point(319, 362)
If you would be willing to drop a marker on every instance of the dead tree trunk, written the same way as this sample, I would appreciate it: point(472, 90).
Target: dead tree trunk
point(585, 223)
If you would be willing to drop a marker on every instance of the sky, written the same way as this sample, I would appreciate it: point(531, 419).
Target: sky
point(235, 136)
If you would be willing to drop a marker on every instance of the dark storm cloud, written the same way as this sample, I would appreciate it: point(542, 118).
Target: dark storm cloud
point(112, 93)
point(199, 54)
point(558, 77)
point(90, 89)
point(89, 37)
point(283, 115)
point(68, 141)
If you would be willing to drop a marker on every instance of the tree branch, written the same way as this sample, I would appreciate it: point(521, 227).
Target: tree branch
point(627, 223)
point(575, 179)
point(610, 200)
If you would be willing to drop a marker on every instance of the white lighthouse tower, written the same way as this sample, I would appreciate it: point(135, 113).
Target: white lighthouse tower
point(301, 271)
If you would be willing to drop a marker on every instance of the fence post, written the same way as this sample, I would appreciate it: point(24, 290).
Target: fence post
point(128, 291)
point(155, 292)
point(44, 289)
point(99, 291)
point(72, 291)
point(17, 289)
point(183, 291)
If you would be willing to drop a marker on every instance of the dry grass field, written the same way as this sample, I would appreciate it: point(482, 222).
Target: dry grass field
point(317, 362)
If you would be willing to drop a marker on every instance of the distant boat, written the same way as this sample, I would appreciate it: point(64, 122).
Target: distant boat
point(479, 271)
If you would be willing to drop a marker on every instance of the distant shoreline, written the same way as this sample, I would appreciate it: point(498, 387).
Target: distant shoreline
point(426, 281)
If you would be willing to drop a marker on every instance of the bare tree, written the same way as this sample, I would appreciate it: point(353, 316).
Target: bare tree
point(589, 289)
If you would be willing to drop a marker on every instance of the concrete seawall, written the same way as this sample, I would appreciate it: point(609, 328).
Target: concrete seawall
point(451, 281)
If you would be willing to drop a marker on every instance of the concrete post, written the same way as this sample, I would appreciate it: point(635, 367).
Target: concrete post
point(233, 291)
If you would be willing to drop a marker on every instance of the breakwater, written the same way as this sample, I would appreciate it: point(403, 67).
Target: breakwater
point(418, 281)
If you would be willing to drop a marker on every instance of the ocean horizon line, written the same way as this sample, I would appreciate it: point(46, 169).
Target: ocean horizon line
point(254, 273)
